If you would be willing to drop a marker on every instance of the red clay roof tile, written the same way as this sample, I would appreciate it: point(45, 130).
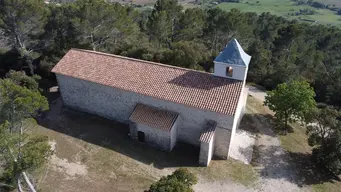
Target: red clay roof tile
point(208, 133)
point(153, 117)
point(185, 86)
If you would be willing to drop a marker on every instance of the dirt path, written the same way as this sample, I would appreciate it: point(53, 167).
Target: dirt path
point(276, 171)
point(257, 93)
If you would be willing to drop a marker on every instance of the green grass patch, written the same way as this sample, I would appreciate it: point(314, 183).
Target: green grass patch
point(287, 9)
point(296, 141)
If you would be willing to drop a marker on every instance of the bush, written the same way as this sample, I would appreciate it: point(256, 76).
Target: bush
point(181, 180)
point(339, 12)
point(328, 155)
point(318, 5)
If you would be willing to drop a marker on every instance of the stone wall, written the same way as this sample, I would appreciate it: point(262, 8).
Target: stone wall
point(206, 152)
point(118, 105)
point(239, 72)
point(156, 137)
point(222, 142)
point(239, 113)
point(174, 132)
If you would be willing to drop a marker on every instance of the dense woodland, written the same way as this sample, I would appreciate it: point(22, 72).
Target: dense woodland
point(35, 35)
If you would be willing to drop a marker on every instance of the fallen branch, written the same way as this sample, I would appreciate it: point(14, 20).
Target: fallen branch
point(6, 185)
point(28, 182)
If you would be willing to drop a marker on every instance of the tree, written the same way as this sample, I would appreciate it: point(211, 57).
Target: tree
point(222, 26)
point(101, 24)
point(333, 89)
point(187, 54)
point(325, 136)
point(59, 30)
point(261, 59)
point(22, 22)
point(291, 101)
point(19, 103)
point(20, 151)
point(180, 181)
point(328, 155)
point(322, 124)
point(21, 79)
point(163, 21)
point(159, 28)
point(190, 25)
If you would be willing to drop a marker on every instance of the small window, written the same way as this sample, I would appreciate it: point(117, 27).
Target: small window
point(141, 136)
point(229, 71)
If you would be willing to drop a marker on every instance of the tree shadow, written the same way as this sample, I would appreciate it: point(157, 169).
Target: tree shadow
point(296, 168)
point(273, 162)
point(114, 136)
point(198, 80)
point(252, 122)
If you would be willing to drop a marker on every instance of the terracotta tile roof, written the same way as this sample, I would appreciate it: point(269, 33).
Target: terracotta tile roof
point(189, 87)
point(208, 133)
point(153, 117)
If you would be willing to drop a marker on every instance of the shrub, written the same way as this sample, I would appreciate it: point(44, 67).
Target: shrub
point(181, 180)
point(328, 155)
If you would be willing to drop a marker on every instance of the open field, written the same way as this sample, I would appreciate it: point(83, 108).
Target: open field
point(285, 8)
point(337, 3)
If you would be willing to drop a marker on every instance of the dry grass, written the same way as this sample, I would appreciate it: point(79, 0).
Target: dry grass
point(114, 162)
point(296, 141)
point(219, 170)
point(107, 169)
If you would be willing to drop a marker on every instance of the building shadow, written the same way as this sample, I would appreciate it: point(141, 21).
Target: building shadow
point(247, 153)
point(199, 80)
point(114, 136)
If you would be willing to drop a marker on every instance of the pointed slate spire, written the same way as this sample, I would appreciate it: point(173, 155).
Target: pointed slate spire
point(234, 54)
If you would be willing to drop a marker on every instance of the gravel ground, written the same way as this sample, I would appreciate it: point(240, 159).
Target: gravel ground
point(276, 171)
point(219, 186)
point(242, 146)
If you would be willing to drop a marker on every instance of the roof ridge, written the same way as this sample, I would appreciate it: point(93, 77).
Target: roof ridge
point(172, 84)
point(140, 60)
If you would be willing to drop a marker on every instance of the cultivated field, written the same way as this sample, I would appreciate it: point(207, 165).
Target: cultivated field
point(286, 8)
point(337, 3)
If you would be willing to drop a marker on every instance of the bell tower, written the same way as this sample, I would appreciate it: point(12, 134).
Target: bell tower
point(232, 62)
